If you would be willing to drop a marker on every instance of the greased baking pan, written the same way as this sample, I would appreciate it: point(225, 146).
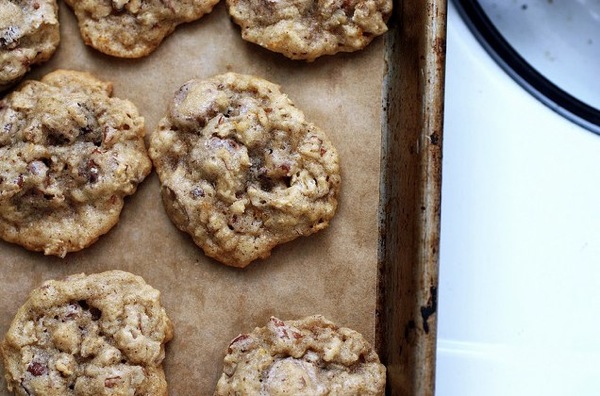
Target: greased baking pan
point(411, 200)
point(374, 269)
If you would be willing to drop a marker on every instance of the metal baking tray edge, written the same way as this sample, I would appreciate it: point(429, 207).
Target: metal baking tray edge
point(411, 195)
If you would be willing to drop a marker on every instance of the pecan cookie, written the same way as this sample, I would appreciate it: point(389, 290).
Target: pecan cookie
point(29, 34)
point(133, 28)
point(241, 169)
point(101, 334)
point(70, 154)
point(311, 357)
point(308, 29)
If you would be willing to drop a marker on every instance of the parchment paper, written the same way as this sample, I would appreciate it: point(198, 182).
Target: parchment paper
point(333, 272)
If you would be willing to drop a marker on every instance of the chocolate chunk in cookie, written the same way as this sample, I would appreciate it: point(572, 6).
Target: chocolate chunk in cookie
point(308, 29)
point(29, 35)
point(133, 28)
point(70, 154)
point(241, 169)
point(101, 334)
point(311, 356)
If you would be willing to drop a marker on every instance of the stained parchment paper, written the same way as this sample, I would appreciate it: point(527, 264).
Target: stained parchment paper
point(333, 272)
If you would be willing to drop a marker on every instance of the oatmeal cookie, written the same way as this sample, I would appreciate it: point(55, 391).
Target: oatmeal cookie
point(101, 334)
point(29, 34)
point(133, 28)
point(70, 154)
point(311, 357)
point(241, 169)
point(308, 29)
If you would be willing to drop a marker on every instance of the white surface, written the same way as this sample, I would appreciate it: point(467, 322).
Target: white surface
point(519, 293)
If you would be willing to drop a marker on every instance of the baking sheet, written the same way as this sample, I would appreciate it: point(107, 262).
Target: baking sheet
point(334, 272)
point(411, 195)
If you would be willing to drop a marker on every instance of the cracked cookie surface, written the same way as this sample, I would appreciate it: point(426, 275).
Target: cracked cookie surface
point(307, 29)
point(310, 356)
point(29, 34)
point(70, 154)
point(133, 28)
point(241, 169)
point(98, 334)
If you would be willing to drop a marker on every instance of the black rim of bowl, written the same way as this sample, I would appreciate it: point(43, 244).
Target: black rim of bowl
point(522, 72)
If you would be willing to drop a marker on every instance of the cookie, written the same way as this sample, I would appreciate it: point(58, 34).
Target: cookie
point(241, 169)
point(100, 334)
point(29, 34)
point(308, 29)
point(310, 356)
point(133, 28)
point(70, 154)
